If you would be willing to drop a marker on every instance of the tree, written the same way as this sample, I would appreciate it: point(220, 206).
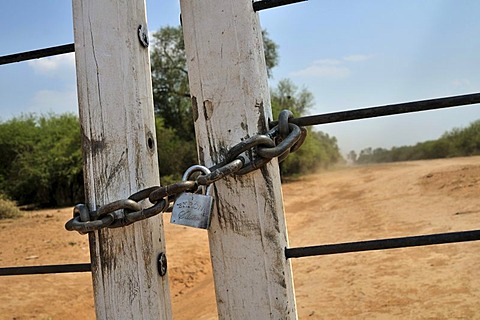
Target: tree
point(352, 156)
point(170, 81)
point(319, 149)
point(171, 93)
point(271, 54)
point(288, 96)
point(175, 154)
point(365, 156)
point(43, 160)
point(455, 143)
point(171, 97)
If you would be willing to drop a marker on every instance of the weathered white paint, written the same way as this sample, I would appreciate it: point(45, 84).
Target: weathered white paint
point(230, 98)
point(116, 113)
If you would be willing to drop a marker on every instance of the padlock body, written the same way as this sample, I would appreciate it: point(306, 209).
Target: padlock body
point(193, 210)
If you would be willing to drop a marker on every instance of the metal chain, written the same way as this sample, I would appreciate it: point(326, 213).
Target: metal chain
point(245, 157)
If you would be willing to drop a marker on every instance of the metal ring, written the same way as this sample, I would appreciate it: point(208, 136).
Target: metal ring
point(157, 208)
point(283, 127)
point(82, 211)
point(259, 139)
point(283, 146)
point(89, 226)
point(300, 141)
point(253, 165)
point(170, 190)
point(283, 156)
point(132, 217)
point(72, 222)
point(295, 147)
point(193, 169)
point(222, 172)
point(143, 194)
point(127, 204)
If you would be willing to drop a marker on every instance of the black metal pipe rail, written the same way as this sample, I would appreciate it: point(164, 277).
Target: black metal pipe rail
point(382, 244)
point(31, 270)
point(267, 4)
point(387, 110)
point(36, 54)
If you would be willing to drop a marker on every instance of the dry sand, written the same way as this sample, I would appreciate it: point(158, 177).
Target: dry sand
point(349, 204)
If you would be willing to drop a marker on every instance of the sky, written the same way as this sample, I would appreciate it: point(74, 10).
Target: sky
point(349, 54)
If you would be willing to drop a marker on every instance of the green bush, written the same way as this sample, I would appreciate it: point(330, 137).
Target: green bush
point(8, 208)
point(175, 154)
point(41, 160)
point(456, 143)
point(319, 149)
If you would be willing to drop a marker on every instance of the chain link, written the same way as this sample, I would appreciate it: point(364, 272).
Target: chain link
point(243, 158)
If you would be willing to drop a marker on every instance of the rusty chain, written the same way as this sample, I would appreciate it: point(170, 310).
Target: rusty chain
point(247, 156)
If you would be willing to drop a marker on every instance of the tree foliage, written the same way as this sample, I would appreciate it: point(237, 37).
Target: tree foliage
point(319, 149)
point(175, 154)
point(271, 54)
point(288, 96)
point(171, 96)
point(175, 124)
point(41, 159)
point(454, 143)
point(170, 81)
point(8, 208)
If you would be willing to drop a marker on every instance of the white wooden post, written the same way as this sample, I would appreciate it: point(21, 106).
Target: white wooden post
point(117, 121)
point(230, 100)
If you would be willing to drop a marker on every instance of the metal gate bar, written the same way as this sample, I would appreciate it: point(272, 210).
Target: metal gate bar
point(387, 110)
point(382, 244)
point(267, 4)
point(36, 54)
point(59, 268)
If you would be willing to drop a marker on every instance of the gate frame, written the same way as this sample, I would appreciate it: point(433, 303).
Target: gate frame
point(231, 101)
point(120, 154)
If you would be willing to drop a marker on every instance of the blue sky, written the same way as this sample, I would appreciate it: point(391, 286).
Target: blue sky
point(349, 54)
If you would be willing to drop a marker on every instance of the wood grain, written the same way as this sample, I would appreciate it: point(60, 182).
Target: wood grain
point(228, 84)
point(116, 113)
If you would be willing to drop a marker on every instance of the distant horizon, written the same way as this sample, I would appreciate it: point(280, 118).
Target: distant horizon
point(350, 55)
point(343, 152)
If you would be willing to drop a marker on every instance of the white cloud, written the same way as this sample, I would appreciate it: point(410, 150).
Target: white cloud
point(331, 68)
point(45, 101)
point(151, 38)
point(462, 83)
point(54, 66)
point(357, 57)
point(324, 68)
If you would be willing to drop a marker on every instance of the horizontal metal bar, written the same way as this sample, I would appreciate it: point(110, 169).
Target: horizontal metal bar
point(59, 268)
point(36, 54)
point(392, 243)
point(267, 4)
point(387, 110)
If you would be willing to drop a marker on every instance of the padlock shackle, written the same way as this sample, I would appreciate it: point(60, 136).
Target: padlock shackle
point(193, 169)
point(191, 208)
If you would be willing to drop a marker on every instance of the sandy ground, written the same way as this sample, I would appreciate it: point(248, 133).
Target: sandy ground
point(350, 204)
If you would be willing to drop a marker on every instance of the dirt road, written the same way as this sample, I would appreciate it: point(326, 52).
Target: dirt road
point(349, 204)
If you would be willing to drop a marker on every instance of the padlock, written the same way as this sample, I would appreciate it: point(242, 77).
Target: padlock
point(193, 209)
